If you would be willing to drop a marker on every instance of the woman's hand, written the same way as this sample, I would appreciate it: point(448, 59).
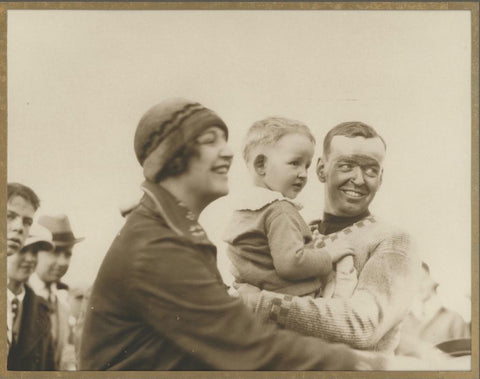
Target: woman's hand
point(246, 292)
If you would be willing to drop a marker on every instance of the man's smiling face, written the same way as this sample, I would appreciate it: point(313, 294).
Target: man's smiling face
point(352, 172)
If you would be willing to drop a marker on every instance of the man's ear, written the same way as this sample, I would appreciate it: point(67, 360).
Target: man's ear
point(320, 169)
point(259, 164)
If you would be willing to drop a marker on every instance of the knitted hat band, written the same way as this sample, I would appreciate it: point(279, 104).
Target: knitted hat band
point(166, 128)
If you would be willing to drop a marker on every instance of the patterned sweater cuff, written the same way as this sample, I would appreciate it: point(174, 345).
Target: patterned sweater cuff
point(273, 307)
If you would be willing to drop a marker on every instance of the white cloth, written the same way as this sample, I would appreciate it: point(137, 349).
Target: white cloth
point(425, 311)
point(258, 197)
point(41, 288)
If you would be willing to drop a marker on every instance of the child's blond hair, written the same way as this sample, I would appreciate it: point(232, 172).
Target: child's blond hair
point(268, 131)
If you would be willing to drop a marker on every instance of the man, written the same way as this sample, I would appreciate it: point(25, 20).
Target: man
point(28, 323)
point(351, 168)
point(52, 266)
point(429, 322)
point(159, 302)
point(22, 203)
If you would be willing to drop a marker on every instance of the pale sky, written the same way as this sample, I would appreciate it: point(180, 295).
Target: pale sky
point(79, 81)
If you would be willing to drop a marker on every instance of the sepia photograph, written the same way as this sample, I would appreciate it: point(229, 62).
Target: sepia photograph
point(217, 188)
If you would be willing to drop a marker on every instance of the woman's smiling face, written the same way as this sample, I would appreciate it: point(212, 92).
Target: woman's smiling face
point(207, 170)
point(21, 265)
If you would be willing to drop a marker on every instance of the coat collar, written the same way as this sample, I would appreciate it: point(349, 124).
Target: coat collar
point(176, 214)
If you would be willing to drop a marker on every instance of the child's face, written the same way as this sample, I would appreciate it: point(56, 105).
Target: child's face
point(287, 163)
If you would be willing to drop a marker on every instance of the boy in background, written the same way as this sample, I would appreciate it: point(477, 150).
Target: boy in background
point(29, 342)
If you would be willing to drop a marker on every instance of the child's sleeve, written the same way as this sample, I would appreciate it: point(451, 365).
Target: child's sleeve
point(292, 259)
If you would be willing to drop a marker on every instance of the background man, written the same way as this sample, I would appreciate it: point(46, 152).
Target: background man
point(28, 322)
point(22, 203)
point(52, 266)
point(429, 323)
point(351, 168)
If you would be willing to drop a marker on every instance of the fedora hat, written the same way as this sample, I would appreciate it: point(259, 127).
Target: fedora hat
point(61, 230)
point(41, 237)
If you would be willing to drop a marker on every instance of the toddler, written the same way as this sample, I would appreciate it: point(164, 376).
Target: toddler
point(268, 243)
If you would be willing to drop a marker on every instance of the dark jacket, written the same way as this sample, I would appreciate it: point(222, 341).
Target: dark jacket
point(34, 350)
point(159, 303)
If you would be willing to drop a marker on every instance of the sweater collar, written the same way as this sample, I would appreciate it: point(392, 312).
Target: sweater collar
point(332, 223)
point(175, 213)
point(350, 220)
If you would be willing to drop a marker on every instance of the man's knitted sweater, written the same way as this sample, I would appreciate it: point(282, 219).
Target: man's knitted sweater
point(388, 275)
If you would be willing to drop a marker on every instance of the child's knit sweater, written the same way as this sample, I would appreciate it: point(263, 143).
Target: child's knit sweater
point(388, 275)
point(270, 246)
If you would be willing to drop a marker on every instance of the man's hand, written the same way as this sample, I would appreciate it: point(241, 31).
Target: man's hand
point(345, 265)
point(339, 249)
point(246, 292)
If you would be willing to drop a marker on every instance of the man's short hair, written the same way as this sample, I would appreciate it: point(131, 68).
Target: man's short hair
point(17, 189)
point(350, 129)
point(268, 131)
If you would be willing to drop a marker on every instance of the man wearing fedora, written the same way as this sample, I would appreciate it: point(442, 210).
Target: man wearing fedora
point(46, 282)
point(29, 341)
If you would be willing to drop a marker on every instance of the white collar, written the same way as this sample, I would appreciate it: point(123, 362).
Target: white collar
point(256, 198)
point(40, 287)
point(11, 295)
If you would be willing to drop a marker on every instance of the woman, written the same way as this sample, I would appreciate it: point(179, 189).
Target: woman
point(159, 302)
point(29, 343)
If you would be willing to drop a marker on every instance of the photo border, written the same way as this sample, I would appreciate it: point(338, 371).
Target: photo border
point(472, 6)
